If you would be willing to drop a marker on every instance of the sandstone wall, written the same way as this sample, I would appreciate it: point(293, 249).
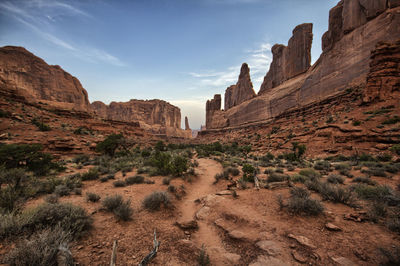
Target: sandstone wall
point(25, 75)
point(384, 75)
point(343, 64)
point(157, 116)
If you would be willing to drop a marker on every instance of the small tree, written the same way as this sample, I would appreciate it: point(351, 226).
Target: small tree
point(110, 144)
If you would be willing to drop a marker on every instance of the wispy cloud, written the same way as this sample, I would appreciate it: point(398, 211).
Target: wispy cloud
point(258, 60)
point(40, 15)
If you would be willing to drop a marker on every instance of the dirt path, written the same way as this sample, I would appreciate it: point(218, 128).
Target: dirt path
point(206, 233)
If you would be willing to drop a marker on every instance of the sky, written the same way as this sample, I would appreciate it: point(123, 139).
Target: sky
point(181, 51)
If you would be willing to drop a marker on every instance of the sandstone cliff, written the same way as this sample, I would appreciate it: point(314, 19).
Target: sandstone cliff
point(157, 116)
point(289, 61)
point(242, 91)
point(355, 27)
point(27, 76)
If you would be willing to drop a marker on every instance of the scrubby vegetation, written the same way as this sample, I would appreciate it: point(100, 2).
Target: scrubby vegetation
point(121, 209)
point(155, 200)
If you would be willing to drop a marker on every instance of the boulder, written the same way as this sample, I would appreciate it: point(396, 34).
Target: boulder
point(271, 247)
point(268, 261)
point(332, 227)
point(302, 240)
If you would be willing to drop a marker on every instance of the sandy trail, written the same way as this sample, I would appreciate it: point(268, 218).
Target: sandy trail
point(206, 234)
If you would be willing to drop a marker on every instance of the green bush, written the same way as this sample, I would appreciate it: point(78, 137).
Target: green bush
point(377, 193)
point(155, 200)
point(374, 171)
point(124, 211)
point(233, 171)
point(296, 178)
point(40, 125)
point(110, 144)
point(119, 183)
point(137, 179)
point(310, 173)
point(179, 165)
point(277, 177)
point(92, 197)
point(395, 149)
point(62, 190)
point(322, 165)
point(27, 156)
point(92, 174)
point(365, 180)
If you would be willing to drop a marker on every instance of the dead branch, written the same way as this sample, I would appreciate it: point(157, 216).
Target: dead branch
point(114, 254)
point(153, 253)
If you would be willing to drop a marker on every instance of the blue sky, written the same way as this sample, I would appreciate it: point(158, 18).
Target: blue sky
point(181, 51)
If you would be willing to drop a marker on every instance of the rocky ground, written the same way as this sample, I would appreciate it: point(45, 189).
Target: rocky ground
point(240, 226)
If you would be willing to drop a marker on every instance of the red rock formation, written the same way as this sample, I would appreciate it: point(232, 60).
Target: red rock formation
point(289, 61)
point(343, 64)
point(242, 91)
point(26, 76)
point(187, 127)
point(213, 113)
point(157, 116)
point(384, 76)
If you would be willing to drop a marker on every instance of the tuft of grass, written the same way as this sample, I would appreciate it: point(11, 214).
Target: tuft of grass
point(203, 259)
point(377, 193)
point(62, 190)
point(337, 194)
point(155, 200)
point(310, 173)
point(110, 203)
point(166, 181)
point(365, 180)
point(322, 165)
point(277, 177)
point(92, 174)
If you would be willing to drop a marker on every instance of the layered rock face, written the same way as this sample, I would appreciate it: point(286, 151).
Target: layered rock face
point(157, 116)
point(384, 76)
point(27, 76)
point(214, 114)
point(242, 91)
point(289, 61)
point(187, 127)
point(355, 27)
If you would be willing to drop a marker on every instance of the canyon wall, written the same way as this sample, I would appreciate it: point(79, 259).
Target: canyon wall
point(156, 116)
point(355, 28)
point(27, 76)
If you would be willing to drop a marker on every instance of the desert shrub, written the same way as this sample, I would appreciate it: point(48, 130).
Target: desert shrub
point(364, 157)
point(395, 149)
point(373, 171)
point(279, 170)
point(377, 193)
point(155, 200)
point(27, 156)
point(41, 249)
point(124, 211)
point(82, 131)
point(322, 165)
point(179, 165)
point(110, 144)
point(92, 174)
point(222, 175)
point(385, 157)
point(110, 203)
point(40, 125)
point(233, 171)
point(73, 219)
point(314, 185)
point(296, 178)
point(356, 122)
point(277, 177)
point(392, 258)
point(160, 146)
point(376, 210)
point(119, 183)
point(62, 190)
point(298, 150)
point(267, 157)
point(52, 198)
point(335, 179)
point(248, 172)
point(104, 179)
point(81, 158)
point(77, 191)
point(310, 173)
point(337, 194)
point(92, 197)
point(392, 168)
point(365, 180)
point(137, 179)
point(301, 203)
point(171, 188)
point(342, 166)
point(393, 223)
point(392, 120)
